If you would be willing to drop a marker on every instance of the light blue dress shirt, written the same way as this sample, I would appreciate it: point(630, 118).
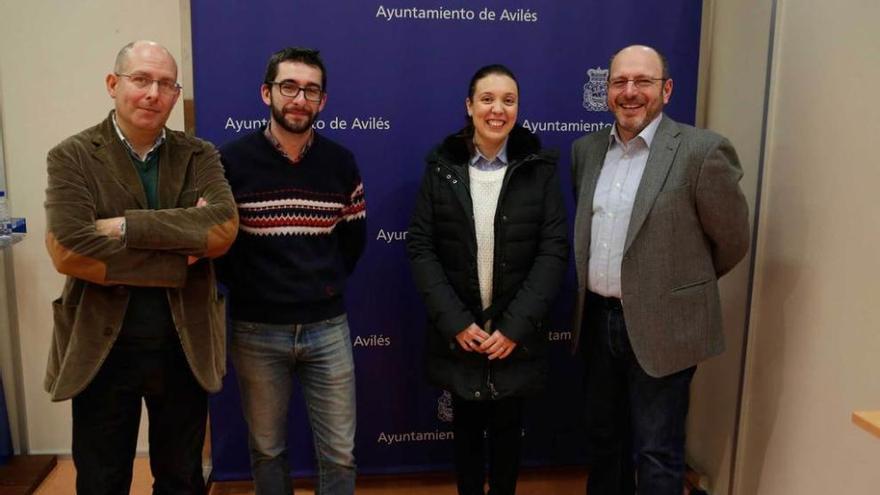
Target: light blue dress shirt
point(481, 162)
point(613, 201)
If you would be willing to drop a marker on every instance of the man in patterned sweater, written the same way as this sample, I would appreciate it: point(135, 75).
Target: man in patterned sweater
point(302, 231)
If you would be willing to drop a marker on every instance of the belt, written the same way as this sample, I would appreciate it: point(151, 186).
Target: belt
point(608, 303)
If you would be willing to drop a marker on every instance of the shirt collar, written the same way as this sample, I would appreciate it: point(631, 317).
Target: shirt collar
point(277, 144)
point(647, 133)
point(481, 162)
point(159, 140)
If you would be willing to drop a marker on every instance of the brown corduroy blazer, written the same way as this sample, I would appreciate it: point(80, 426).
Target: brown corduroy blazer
point(91, 177)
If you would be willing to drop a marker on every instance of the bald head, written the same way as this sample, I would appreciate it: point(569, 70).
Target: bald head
point(144, 47)
point(144, 88)
point(643, 51)
point(638, 88)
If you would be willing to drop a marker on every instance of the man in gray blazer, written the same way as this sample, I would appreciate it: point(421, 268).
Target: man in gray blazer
point(660, 217)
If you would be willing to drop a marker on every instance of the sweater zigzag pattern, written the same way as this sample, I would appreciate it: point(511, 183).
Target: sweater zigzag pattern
point(298, 211)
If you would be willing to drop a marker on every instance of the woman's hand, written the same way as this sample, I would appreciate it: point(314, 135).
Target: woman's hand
point(471, 337)
point(497, 346)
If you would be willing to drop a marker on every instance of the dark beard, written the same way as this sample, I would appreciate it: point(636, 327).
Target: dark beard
point(278, 116)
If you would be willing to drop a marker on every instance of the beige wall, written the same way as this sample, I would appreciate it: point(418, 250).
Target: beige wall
point(736, 37)
point(53, 58)
point(815, 328)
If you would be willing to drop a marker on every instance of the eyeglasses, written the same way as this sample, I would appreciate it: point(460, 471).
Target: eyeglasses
point(292, 90)
point(639, 83)
point(140, 81)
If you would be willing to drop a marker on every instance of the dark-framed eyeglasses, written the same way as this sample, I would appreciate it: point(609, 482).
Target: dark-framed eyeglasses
point(639, 82)
point(292, 90)
point(141, 81)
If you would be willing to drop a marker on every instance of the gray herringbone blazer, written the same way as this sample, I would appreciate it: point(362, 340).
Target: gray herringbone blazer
point(689, 226)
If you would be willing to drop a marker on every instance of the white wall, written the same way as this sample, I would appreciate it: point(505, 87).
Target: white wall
point(815, 327)
point(53, 59)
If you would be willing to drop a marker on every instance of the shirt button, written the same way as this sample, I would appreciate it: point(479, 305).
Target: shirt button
point(477, 394)
point(448, 176)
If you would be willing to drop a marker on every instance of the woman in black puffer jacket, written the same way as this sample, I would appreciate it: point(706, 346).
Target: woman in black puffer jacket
point(488, 249)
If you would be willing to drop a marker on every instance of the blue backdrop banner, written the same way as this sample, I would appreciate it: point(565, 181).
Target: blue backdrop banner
point(397, 73)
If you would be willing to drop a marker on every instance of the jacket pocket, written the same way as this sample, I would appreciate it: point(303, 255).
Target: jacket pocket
point(688, 310)
point(530, 349)
point(690, 284)
point(64, 317)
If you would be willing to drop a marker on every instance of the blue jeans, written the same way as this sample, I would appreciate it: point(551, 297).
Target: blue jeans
point(635, 422)
point(266, 356)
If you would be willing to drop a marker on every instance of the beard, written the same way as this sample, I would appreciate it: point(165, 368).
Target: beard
point(635, 123)
point(300, 126)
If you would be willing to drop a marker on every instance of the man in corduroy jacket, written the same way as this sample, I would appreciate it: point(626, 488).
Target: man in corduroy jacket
point(135, 212)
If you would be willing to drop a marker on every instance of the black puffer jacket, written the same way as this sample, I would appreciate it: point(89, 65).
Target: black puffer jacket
point(531, 253)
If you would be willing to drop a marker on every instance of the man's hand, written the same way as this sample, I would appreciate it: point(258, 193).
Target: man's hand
point(471, 337)
point(111, 227)
point(497, 346)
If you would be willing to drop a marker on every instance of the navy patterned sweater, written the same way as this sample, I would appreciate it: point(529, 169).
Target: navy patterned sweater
point(302, 230)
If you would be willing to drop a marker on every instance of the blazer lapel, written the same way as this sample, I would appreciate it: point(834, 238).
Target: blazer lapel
point(595, 157)
point(110, 152)
point(663, 149)
point(594, 160)
point(173, 165)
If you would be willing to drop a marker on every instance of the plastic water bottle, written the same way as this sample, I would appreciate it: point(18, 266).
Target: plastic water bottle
point(5, 221)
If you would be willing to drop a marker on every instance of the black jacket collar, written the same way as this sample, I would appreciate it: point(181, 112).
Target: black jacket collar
point(457, 148)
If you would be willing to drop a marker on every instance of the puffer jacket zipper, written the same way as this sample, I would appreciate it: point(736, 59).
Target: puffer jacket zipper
point(496, 279)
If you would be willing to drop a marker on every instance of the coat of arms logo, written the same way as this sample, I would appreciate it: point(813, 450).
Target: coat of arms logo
point(596, 90)
point(444, 407)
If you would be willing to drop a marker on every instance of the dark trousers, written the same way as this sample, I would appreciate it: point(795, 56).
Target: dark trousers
point(635, 422)
point(501, 420)
point(107, 413)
